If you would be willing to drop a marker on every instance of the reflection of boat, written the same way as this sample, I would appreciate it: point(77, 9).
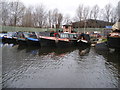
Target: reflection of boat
point(84, 50)
point(55, 50)
point(114, 37)
point(21, 47)
point(62, 51)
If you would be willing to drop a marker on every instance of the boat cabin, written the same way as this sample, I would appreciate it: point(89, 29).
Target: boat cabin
point(67, 28)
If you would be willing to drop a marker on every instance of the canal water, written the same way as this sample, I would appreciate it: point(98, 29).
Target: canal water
point(35, 67)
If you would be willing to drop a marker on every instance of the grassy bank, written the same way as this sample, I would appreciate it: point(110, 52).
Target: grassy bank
point(27, 29)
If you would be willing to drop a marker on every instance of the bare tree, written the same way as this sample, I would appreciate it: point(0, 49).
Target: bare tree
point(0, 11)
point(54, 17)
point(27, 19)
point(90, 14)
point(114, 15)
point(107, 12)
point(40, 16)
point(118, 10)
point(57, 18)
point(95, 11)
point(16, 12)
point(79, 12)
point(49, 18)
point(4, 12)
point(85, 13)
point(67, 19)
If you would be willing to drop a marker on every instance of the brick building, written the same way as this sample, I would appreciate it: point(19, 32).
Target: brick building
point(91, 23)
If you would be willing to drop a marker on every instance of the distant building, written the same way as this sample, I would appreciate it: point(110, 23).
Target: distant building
point(91, 23)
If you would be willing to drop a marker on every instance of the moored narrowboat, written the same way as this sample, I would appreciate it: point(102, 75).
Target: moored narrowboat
point(114, 37)
point(8, 38)
point(22, 38)
point(64, 39)
point(33, 39)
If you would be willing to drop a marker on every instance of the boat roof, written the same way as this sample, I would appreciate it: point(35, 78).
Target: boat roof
point(116, 26)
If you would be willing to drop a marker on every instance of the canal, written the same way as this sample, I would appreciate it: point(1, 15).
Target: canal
point(35, 67)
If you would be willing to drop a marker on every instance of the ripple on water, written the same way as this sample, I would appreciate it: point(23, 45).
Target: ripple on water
point(58, 68)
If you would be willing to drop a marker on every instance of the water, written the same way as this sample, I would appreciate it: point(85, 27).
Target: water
point(35, 67)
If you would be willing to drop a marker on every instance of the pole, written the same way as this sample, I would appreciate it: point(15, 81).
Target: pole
point(84, 25)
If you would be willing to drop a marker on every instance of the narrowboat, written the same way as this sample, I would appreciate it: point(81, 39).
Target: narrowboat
point(114, 37)
point(64, 39)
point(8, 38)
point(33, 39)
point(22, 38)
point(2, 36)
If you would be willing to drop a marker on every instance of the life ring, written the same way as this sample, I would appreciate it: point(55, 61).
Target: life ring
point(56, 35)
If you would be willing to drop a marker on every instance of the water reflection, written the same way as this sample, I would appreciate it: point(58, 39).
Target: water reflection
point(72, 67)
point(112, 60)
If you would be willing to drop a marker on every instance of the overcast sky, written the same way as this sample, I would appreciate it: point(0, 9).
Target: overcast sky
point(69, 6)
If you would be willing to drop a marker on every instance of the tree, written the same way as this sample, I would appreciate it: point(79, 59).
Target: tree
point(40, 16)
point(118, 10)
point(4, 12)
point(57, 18)
point(27, 19)
point(107, 12)
point(79, 12)
point(91, 14)
point(67, 19)
point(95, 12)
point(85, 13)
point(114, 15)
point(49, 18)
point(16, 12)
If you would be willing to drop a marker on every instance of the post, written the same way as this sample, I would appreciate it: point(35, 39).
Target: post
point(84, 25)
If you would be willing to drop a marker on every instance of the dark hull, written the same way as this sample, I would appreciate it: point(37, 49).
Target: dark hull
point(33, 43)
point(57, 43)
point(65, 43)
point(9, 40)
point(83, 44)
point(47, 42)
point(22, 42)
point(61, 43)
point(114, 42)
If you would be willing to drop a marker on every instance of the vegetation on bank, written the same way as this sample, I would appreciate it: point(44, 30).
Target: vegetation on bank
point(28, 29)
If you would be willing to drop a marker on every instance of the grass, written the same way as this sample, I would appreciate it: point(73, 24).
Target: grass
point(27, 29)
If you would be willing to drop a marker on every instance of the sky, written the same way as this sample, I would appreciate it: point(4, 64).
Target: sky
point(69, 6)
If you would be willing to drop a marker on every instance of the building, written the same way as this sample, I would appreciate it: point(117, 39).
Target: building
point(67, 28)
point(91, 23)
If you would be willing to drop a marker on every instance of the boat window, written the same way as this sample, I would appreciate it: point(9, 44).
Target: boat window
point(64, 35)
